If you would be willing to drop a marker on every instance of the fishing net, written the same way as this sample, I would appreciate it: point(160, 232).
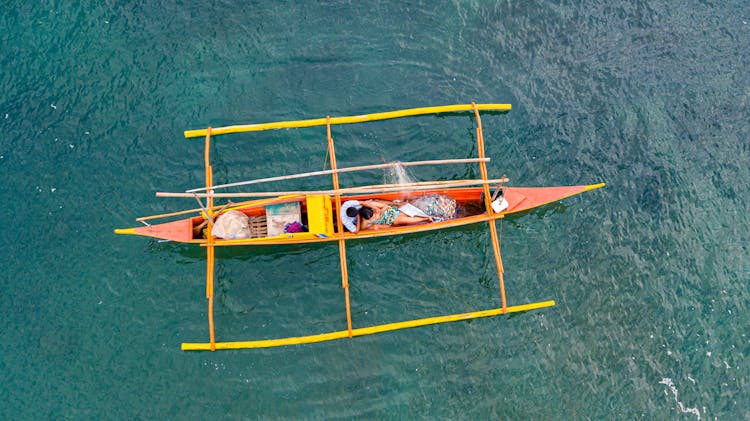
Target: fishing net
point(438, 206)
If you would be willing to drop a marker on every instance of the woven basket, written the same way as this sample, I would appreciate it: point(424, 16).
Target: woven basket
point(258, 226)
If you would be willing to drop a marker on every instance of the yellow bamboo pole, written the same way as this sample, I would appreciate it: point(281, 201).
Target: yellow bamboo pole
point(348, 120)
point(210, 258)
point(380, 188)
point(267, 343)
point(488, 206)
point(342, 242)
point(238, 205)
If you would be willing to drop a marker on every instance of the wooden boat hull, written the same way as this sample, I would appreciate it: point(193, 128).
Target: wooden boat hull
point(519, 199)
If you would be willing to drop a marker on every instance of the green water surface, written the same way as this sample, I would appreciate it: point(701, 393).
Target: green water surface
point(650, 275)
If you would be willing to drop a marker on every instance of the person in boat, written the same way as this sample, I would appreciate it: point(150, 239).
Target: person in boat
point(349, 214)
point(380, 214)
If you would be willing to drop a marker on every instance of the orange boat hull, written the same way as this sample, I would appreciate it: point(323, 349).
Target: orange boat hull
point(519, 199)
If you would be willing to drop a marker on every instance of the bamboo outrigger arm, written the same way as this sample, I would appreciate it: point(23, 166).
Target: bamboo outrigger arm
point(342, 243)
point(348, 120)
point(210, 252)
point(487, 200)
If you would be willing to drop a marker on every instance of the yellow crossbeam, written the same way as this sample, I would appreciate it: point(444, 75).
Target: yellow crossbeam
point(346, 120)
point(267, 343)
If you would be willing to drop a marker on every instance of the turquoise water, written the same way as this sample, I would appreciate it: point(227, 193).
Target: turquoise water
point(650, 274)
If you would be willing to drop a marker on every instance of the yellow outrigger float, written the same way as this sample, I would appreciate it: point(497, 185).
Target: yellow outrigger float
point(321, 210)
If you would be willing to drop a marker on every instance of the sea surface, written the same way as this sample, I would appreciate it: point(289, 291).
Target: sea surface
point(650, 274)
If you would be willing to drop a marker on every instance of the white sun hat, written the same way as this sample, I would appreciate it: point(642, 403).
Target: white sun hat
point(350, 222)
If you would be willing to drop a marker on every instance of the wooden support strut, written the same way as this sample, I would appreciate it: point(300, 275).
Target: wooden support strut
point(488, 206)
point(216, 208)
point(342, 242)
point(210, 244)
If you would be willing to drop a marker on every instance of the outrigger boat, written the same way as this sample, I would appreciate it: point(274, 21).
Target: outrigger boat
point(318, 211)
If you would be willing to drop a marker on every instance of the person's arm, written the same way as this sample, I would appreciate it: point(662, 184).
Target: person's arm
point(395, 202)
point(376, 204)
point(363, 224)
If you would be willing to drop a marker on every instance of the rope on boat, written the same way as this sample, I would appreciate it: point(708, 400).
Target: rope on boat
point(325, 161)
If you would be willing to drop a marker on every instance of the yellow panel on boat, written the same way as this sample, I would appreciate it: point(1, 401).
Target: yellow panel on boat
point(319, 214)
